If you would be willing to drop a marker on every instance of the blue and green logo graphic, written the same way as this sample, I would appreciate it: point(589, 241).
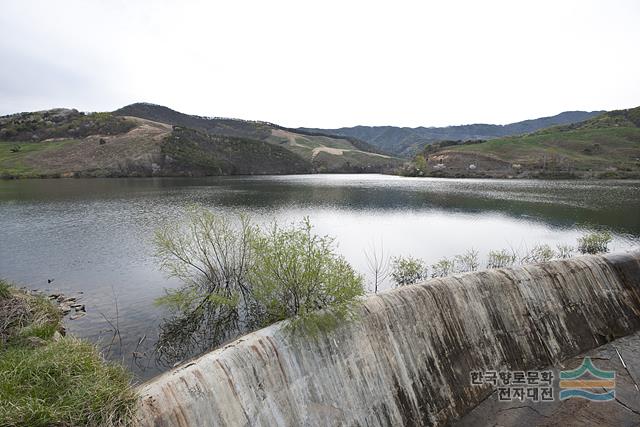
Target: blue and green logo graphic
point(588, 382)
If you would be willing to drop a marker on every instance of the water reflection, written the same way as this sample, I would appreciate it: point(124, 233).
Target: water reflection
point(93, 236)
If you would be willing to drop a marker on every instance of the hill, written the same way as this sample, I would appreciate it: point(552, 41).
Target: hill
point(404, 141)
point(606, 146)
point(326, 153)
point(151, 140)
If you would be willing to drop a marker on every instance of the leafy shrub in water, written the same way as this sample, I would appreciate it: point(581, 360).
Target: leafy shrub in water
point(501, 259)
point(539, 253)
point(297, 275)
point(443, 268)
point(407, 270)
point(237, 277)
point(467, 261)
point(564, 251)
point(594, 243)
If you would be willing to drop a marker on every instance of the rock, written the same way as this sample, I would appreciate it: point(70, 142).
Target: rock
point(79, 308)
point(78, 315)
point(64, 308)
point(70, 299)
point(57, 336)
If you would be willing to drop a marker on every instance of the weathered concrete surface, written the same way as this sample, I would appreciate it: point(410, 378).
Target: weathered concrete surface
point(623, 411)
point(407, 359)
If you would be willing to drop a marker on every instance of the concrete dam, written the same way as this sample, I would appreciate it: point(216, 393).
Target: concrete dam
point(406, 359)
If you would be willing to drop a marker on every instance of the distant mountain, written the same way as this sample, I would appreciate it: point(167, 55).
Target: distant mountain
point(404, 141)
point(605, 146)
point(152, 140)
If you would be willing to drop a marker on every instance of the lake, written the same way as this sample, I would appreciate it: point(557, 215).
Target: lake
point(93, 237)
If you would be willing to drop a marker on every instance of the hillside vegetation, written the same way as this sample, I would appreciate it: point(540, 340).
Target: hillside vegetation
point(151, 140)
point(404, 141)
point(324, 153)
point(607, 146)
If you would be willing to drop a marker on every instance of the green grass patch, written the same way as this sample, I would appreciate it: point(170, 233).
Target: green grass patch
point(584, 148)
point(14, 157)
point(62, 383)
point(49, 380)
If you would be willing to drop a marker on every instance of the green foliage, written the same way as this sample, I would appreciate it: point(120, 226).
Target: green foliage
point(443, 268)
point(297, 275)
point(18, 164)
point(407, 270)
point(467, 262)
point(24, 315)
point(501, 259)
point(237, 277)
point(44, 382)
point(539, 253)
point(211, 256)
point(5, 289)
point(200, 153)
point(60, 123)
point(564, 251)
point(595, 242)
point(62, 383)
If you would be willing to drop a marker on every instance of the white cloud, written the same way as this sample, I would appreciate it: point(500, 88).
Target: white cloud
point(325, 64)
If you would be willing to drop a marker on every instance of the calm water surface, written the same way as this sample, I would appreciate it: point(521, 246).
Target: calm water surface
point(94, 236)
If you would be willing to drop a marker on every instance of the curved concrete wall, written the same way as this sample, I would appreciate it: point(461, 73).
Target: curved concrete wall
point(406, 359)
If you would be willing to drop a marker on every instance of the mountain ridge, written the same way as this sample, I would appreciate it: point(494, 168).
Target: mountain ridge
point(604, 146)
point(145, 139)
point(406, 141)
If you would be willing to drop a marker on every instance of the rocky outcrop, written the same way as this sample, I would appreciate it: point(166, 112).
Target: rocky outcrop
point(407, 359)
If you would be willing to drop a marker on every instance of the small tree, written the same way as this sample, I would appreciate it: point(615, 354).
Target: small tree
point(595, 242)
point(421, 164)
point(378, 267)
point(467, 262)
point(407, 270)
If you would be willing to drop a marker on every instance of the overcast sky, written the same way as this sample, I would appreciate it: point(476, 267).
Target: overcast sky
point(324, 63)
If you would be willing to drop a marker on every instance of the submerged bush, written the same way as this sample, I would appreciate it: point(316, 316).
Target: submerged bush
point(238, 277)
point(564, 251)
point(539, 253)
point(501, 259)
point(443, 268)
point(211, 256)
point(407, 270)
point(595, 242)
point(467, 262)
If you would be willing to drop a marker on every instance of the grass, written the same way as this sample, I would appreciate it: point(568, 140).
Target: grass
point(49, 380)
point(584, 148)
point(16, 164)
